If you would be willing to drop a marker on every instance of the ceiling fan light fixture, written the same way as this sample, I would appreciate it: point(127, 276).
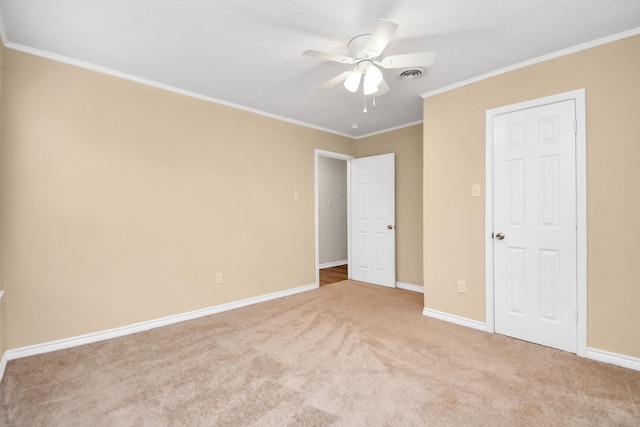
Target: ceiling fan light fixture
point(372, 78)
point(369, 88)
point(373, 75)
point(365, 50)
point(352, 83)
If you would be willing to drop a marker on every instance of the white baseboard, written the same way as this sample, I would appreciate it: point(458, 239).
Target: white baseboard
point(16, 353)
point(625, 361)
point(333, 264)
point(65, 343)
point(613, 358)
point(3, 364)
point(409, 287)
point(452, 318)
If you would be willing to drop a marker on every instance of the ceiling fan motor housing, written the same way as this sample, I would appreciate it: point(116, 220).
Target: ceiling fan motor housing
point(358, 47)
point(364, 64)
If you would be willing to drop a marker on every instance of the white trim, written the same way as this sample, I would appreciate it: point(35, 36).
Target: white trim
point(66, 343)
point(174, 89)
point(3, 360)
point(3, 31)
point(488, 226)
point(613, 358)
point(410, 287)
point(543, 58)
point(591, 353)
point(347, 157)
point(406, 125)
point(452, 318)
point(158, 85)
point(111, 72)
point(578, 96)
point(3, 365)
point(581, 211)
point(622, 360)
point(333, 264)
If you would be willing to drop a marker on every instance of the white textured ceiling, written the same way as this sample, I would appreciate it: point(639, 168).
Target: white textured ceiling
point(249, 52)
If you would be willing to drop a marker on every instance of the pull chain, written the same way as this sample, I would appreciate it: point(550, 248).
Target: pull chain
point(374, 99)
point(365, 104)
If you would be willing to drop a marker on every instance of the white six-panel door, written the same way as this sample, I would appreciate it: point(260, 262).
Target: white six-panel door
point(373, 257)
point(534, 226)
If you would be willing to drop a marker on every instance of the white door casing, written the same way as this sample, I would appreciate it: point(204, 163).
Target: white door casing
point(579, 97)
point(372, 257)
point(534, 178)
point(322, 153)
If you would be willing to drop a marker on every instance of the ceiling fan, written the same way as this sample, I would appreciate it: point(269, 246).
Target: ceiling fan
point(365, 50)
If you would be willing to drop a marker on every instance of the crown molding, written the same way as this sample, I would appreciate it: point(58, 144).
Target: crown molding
point(533, 61)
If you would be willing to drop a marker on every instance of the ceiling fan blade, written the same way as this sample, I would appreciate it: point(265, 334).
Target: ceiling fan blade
point(329, 56)
point(380, 37)
point(336, 80)
point(422, 59)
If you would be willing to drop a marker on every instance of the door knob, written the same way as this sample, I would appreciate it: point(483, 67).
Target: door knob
point(500, 236)
point(390, 227)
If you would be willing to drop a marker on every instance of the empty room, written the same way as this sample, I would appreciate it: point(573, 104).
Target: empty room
point(366, 213)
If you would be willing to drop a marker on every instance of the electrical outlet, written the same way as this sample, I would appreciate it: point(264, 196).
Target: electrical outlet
point(219, 278)
point(462, 287)
point(475, 190)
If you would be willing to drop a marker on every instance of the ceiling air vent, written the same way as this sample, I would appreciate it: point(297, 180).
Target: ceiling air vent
point(412, 74)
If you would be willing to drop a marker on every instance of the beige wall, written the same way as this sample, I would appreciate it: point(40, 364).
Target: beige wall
point(406, 143)
point(454, 141)
point(120, 202)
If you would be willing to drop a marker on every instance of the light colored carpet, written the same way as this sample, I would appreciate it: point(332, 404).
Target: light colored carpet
point(347, 354)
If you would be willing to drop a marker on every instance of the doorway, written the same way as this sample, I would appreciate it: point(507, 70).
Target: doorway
point(331, 211)
point(370, 217)
point(536, 221)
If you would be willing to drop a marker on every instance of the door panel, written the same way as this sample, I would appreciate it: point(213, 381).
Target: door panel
point(535, 208)
point(373, 211)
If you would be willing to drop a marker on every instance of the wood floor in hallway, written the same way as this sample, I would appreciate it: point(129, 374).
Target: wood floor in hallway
point(334, 274)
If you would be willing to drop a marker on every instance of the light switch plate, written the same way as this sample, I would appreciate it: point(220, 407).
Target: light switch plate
point(462, 287)
point(475, 190)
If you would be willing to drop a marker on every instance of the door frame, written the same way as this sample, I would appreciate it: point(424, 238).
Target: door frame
point(323, 153)
point(581, 208)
